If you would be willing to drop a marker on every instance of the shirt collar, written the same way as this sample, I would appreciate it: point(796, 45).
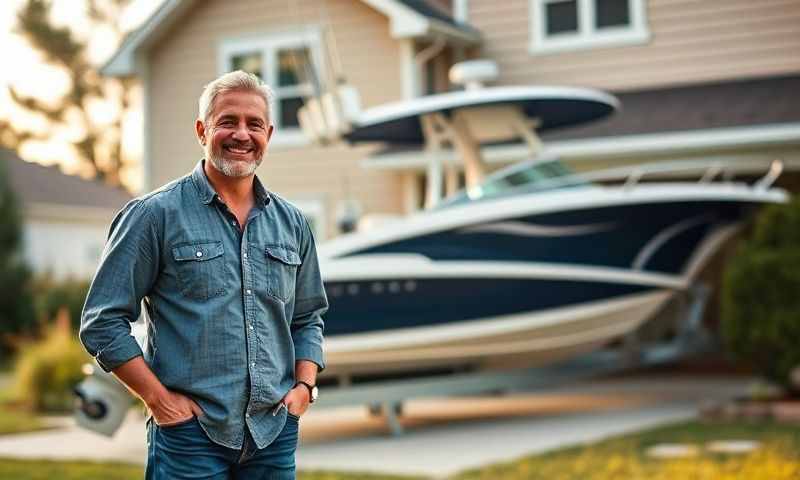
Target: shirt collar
point(207, 192)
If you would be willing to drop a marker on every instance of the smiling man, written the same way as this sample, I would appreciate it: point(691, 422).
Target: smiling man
point(229, 277)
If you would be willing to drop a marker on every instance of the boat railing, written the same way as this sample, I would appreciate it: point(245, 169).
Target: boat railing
point(708, 173)
point(629, 177)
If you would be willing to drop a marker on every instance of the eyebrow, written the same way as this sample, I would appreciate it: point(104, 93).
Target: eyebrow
point(231, 116)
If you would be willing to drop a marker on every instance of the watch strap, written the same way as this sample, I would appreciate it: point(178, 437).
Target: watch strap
point(310, 389)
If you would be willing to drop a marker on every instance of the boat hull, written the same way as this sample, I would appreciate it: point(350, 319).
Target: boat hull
point(522, 281)
point(524, 339)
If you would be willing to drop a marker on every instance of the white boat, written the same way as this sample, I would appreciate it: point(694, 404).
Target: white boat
point(527, 266)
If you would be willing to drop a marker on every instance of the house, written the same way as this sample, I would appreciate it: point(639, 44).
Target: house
point(65, 218)
point(714, 81)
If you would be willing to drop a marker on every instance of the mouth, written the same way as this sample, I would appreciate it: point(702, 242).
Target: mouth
point(238, 149)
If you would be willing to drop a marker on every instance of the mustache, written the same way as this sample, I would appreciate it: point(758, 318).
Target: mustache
point(235, 144)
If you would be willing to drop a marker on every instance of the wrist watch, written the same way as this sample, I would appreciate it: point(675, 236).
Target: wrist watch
point(313, 391)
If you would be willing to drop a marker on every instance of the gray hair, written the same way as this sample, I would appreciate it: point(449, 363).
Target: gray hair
point(236, 80)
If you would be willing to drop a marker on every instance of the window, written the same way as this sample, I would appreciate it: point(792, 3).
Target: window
point(563, 25)
point(290, 63)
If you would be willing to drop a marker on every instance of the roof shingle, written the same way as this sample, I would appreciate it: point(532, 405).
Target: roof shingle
point(34, 183)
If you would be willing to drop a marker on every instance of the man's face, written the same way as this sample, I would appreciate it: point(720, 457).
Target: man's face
point(236, 134)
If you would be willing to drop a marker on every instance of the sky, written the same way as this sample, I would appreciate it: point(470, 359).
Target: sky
point(33, 77)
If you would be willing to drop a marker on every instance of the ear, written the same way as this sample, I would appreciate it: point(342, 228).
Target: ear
point(200, 130)
point(269, 132)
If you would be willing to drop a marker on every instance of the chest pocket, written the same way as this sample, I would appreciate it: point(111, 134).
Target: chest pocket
point(281, 271)
point(201, 269)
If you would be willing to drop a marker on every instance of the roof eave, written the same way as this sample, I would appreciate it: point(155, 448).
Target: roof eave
point(467, 37)
point(124, 62)
point(404, 23)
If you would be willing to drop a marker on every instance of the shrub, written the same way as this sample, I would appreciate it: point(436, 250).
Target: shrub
point(49, 296)
point(16, 313)
point(46, 371)
point(761, 296)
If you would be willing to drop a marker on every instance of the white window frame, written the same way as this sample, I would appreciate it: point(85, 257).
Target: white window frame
point(587, 36)
point(269, 44)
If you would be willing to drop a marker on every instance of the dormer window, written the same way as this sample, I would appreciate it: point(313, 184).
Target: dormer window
point(289, 62)
point(563, 25)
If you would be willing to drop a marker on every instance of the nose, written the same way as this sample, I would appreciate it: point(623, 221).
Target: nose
point(240, 133)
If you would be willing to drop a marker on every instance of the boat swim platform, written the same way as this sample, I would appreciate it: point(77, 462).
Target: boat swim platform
point(386, 397)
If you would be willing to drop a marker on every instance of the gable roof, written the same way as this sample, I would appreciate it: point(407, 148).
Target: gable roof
point(36, 184)
point(407, 19)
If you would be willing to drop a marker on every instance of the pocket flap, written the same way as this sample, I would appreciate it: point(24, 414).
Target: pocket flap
point(197, 251)
point(283, 255)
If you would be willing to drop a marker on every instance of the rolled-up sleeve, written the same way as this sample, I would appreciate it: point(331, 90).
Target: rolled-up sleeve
point(310, 304)
point(128, 268)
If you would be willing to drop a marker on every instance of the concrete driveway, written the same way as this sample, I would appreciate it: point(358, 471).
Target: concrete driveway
point(443, 436)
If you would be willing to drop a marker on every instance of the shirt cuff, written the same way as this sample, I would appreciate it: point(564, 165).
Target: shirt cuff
point(312, 353)
point(119, 351)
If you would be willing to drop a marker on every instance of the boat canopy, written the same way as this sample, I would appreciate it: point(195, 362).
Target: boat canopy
point(399, 122)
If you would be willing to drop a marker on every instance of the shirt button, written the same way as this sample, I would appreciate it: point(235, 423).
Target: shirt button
point(253, 364)
point(199, 254)
point(251, 326)
point(249, 292)
point(247, 415)
point(244, 255)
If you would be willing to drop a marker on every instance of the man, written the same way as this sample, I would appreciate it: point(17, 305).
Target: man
point(230, 281)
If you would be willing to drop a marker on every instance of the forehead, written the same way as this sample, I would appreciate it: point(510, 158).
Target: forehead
point(239, 102)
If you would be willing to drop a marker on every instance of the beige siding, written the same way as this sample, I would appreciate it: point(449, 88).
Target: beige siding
point(690, 41)
point(185, 59)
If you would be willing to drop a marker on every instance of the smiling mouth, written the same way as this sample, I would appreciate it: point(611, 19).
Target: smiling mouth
point(238, 149)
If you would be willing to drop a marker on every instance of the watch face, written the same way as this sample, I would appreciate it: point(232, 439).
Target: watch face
point(314, 393)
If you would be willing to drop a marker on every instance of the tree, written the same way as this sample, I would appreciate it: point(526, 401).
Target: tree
point(16, 305)
point(100, 146)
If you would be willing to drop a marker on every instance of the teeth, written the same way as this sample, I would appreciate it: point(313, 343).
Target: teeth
point(238, 150)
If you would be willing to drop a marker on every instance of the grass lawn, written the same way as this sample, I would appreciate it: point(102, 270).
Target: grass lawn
point(624, 457)
point(16, 420)
point(46, 470)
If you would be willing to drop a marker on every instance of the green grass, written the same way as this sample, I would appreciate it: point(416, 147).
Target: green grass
point(16, 420)
point(350, 476)
point(47, 470)
point(624, 456)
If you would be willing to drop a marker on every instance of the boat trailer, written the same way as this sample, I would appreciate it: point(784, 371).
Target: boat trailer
point(386, 397)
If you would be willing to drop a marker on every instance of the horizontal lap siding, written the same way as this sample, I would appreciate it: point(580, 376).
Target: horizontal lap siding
point(185, 59)
point(691, 41)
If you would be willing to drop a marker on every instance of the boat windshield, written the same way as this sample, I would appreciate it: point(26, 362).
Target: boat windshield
point(527, 177)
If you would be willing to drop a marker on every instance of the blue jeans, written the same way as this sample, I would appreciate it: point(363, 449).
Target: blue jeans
point(184, 451)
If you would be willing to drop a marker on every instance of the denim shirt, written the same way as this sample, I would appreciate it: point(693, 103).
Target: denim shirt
point(229, 311)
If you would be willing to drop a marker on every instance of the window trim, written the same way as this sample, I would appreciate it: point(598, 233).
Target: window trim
point(268, 43)
point(587, 37)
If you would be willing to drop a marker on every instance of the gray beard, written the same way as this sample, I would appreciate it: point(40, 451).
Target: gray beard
point(232, 168)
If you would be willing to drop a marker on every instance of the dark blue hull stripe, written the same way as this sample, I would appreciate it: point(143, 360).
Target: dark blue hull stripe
point(631, 228)
point(360, 307)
